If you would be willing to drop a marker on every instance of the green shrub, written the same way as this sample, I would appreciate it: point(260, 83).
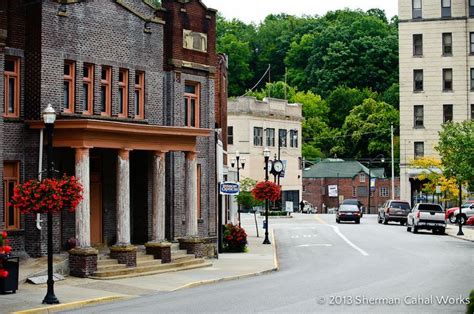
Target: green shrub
point(235, 239)
point(470, 306)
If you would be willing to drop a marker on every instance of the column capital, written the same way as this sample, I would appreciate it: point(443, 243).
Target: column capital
point(124, 153)
point(191, 155)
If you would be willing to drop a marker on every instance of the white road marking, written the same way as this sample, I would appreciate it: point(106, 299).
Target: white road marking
point(338, 232)
point(308, 245)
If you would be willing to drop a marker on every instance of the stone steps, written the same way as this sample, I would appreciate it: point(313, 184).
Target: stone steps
point(145, 268)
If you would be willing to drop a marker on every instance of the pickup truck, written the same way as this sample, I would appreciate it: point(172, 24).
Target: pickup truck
point(428, 217)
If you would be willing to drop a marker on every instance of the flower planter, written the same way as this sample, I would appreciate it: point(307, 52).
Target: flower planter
point(10, 284)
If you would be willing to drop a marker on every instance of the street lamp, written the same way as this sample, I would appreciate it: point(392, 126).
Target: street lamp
point(49, 117)
point(240, 163)
point(266, 155)
point(382, 159)
point(460, 220)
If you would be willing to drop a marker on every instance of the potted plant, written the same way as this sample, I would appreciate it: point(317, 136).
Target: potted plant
point(8, 267)
point(235, 239)
point(266, 190)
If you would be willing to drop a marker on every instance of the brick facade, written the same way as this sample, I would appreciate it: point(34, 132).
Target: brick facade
point(126, 34)
point(315, 191)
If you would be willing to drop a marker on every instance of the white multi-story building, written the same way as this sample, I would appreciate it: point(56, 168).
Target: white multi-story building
point(254, 125)
point(436, 77)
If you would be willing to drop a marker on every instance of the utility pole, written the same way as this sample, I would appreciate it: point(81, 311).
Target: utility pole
point(393, 163)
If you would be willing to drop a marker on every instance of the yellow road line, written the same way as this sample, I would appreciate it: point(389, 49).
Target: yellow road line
point(320, 220)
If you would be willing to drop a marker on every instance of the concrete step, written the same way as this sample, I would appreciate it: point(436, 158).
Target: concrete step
point(110, 267)
point(107, 262)
point(180, 257)
point(175, 267)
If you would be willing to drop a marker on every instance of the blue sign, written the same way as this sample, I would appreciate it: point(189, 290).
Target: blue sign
point(229, 188)
point(282, 174)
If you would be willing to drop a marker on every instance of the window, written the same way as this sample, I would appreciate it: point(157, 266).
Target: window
point(447, 44)
point(472, 79)
point(105, 91)
point(416, 13)
point(447, 79)
point(294, 138)
point(88, 88)
point(417, 80)
point(418, 115)
point(417, 44)
point(11, 174)
point(282, 134)
point(257, 136)
point(230, 135)
point(471, 8)
point(383, 191)
point(191, 105)
point(194, 40)
point(472, 112)
point(270, 137)
point(419, 149)
point(139, 95)
point(198, 188)
point(445, 8)
point(69, 86)
point(354, 191)
point(471, 43)
point(362, 177)
point(447, 113)
point(123, 93)
point(12, 87)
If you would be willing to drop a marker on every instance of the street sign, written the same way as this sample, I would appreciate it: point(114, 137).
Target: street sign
point(438, 189)
point(289, 207)
point(229, 188)
point(332, 190)
point(372, 184)
point(282, 174)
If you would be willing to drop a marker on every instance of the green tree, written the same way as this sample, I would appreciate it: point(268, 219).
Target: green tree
point(313, 105)
point(456, 148)
point(367, 129)
point(245, 197)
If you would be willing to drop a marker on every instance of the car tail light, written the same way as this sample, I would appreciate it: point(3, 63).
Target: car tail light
point(418, 215)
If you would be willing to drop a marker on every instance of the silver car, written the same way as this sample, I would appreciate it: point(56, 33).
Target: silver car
point(428, 217)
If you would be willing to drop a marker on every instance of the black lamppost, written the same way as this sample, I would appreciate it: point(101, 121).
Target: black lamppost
point(266, 155)
point(240, 163)
point(460, 220)
point(382, 159)
point(49, 117)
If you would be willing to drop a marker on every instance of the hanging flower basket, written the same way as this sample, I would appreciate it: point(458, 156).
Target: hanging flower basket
point(4, 254)
point(47, 195)
point(266, 190)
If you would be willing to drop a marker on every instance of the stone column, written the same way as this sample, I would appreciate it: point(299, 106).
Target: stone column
point(191, 195)
point(83, 213)
point(123, 198)
point(83, 258)
point(158, 197)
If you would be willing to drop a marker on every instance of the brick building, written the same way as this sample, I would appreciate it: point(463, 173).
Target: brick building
point(333, 180)
point(134, 90)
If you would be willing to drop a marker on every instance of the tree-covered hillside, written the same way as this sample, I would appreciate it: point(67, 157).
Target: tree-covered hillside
point(343, 68)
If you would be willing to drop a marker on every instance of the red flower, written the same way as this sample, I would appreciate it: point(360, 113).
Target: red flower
point(266, 190)
point(4, 234)
point(7, 249)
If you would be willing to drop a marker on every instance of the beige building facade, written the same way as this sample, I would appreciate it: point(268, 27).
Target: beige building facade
point(436, 40)
point(254, 125)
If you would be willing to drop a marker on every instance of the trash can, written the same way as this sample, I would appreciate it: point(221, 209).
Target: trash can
point(10, 284)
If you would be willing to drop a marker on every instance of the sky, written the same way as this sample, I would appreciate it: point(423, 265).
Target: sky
point(256, 10)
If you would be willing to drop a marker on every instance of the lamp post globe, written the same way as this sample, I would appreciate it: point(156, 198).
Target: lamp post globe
point(49, 117)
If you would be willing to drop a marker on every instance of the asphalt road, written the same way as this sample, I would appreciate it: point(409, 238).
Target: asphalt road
point(346, 268)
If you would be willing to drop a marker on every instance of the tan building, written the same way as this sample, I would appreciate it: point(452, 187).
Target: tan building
point(436, 77)
point(254, 125)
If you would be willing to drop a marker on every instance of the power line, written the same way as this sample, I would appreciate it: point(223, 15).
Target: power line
point(263, 76)
point(348, 135)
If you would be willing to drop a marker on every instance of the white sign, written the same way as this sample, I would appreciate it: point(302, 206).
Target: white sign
point(438, 189)
point(332, 190)
point(289, 207)
point(229, 188)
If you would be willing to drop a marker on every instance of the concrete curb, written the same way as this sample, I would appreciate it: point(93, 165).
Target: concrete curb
point(74, 305)
point(459, 237)
point(236, 277)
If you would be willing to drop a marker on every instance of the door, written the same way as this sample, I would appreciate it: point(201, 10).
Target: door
point(96, 203)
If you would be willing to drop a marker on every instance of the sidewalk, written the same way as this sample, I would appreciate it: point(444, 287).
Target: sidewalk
point(468, 231)
point(77, 293)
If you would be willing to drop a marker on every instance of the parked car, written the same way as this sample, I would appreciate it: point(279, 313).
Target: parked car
point(470, 221)
point(394, 210)
point(348, 212)
point(354, 201)
point(467, 211)
point(427, 216)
